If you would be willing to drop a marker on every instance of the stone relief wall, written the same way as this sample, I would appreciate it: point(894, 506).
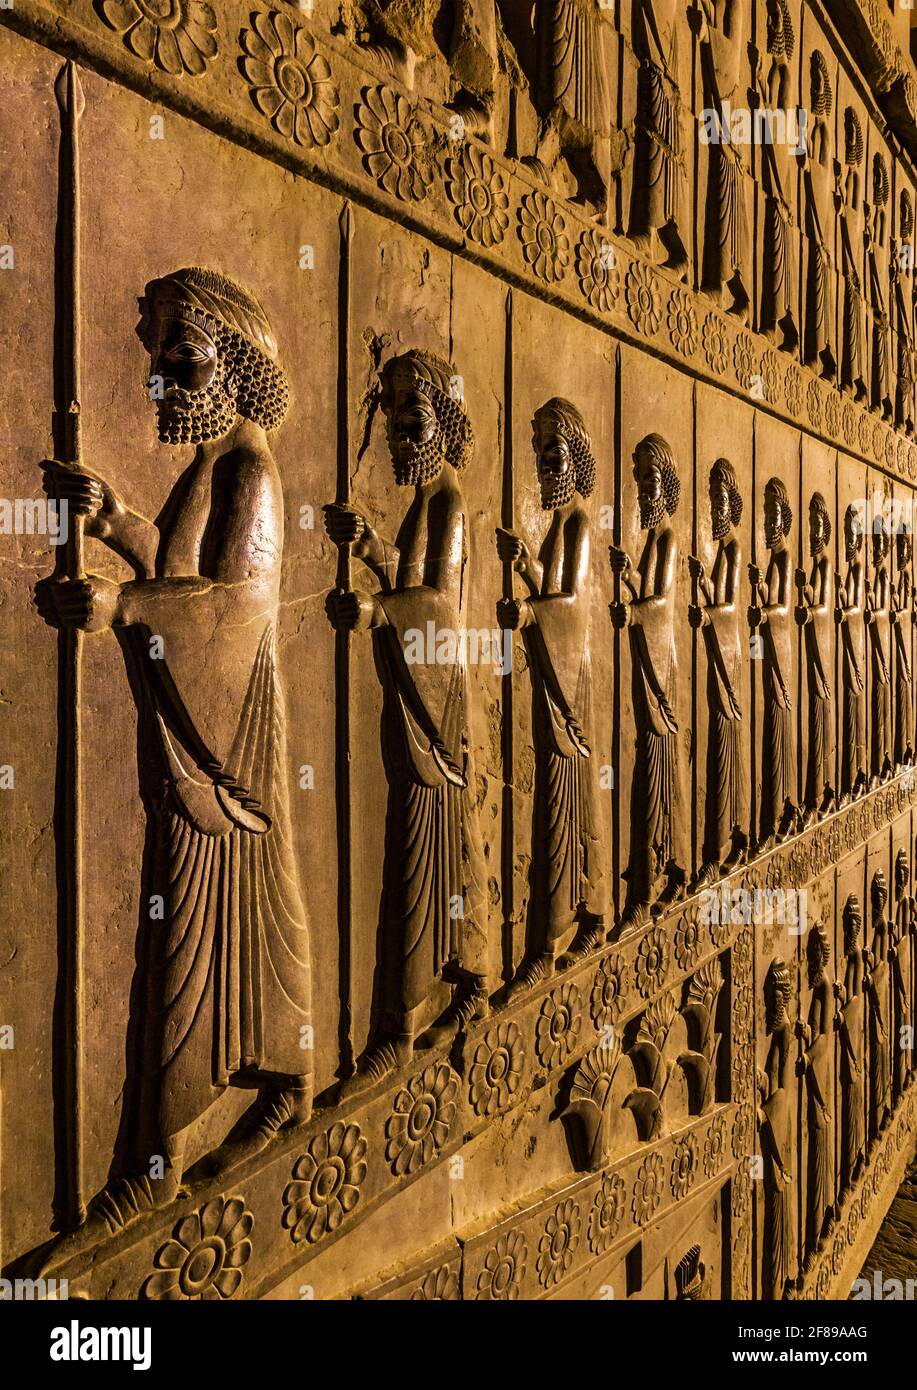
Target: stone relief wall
point(517, 596)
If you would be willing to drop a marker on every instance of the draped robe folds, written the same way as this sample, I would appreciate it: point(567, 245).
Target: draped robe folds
point(904, 687)
point(567, 867)
point(820, 309)
point(818, 1082)
point(727, 230)
point(656, 831)
point(879, 1066)
point(574, 52)
point(853, 673)
point(853, 1099)
point(881, 676)
point(725, 800)
point(820, 768)
point(776, 1141)
point(434, 908)
point(901, 1009)
point(852, 353)
point(778, 740)
point(658, 123)
point(226, 977)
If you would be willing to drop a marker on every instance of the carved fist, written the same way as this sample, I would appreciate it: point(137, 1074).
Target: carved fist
point(620, 614)
point(696, 569)
point(511, 548)
point(755, 615)
point(697, 616)
point(619, 560)
point(344, 525)
point(85, 494)
point(803, 614)
point(354, 611)
point(88, 605)
point(754, 575)
point(513, 614)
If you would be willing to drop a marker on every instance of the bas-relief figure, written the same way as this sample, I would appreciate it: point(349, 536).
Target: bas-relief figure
point(850, 202)
point(433, 915)
point(656, 868)
point(772, 613)
point(815, 613)
point(850, 616)
point(776, 1101)
point(222, 990)
point(879, 1000)
point(776, 88)
point(902, 265)
point(880, 349)
point(901, 616)
point(722, 47)
point(816, 1064)
point(574, 93)
point(851, 1035)
point(878, 620)
point(900, 931)
point(656, 213)
point(717, 615)
point(818, 169)
point(567, 877)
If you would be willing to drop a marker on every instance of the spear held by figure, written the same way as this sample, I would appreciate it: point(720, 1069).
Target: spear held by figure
point(70, 1211)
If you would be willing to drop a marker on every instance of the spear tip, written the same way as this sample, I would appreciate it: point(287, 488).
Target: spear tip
point(69, 90)
point(345, 221)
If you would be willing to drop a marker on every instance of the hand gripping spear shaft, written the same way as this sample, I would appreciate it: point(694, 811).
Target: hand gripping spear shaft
point(70, 1211)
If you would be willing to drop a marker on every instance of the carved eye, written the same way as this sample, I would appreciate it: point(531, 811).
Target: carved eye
point(189, 352)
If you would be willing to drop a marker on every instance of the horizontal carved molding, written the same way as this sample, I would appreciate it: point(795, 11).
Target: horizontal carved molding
point(635, 301)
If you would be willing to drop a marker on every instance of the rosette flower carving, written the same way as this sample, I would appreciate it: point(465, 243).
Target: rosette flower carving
point(542, 231)
point(421, 1118)
point(204, 1257)
point(597, 271)
point(558, 1244)
point(558, 1026)
point(504, 1269)
point(395, 144)
point(496, 1070)
point(177, 35)
point(326, 1183)
point(477, 189)
point(290, 82)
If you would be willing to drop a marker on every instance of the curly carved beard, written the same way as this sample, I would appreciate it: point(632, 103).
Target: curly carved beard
point(773, 535)
point(557, 489)
point(721, 522)
point(193, 417)
point(424, 463)
point(652, 513)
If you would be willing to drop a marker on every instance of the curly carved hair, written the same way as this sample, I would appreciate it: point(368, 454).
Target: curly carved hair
point(781, 39)
point(724, 470)
point(853, 138)
point(822, 97)
point(661, 454)
point(821, 506)
point(239, 327)
point(436, 379)
point(778, 487)
point(570, 424)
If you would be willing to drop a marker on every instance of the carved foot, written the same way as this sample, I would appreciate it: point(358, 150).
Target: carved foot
point(388, 1056)
point(120, 1203)
point(530, 973)
point(273, 1111)
point(469, 1005)
point(590, 937)
point(634, 916)
point(829, 802)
